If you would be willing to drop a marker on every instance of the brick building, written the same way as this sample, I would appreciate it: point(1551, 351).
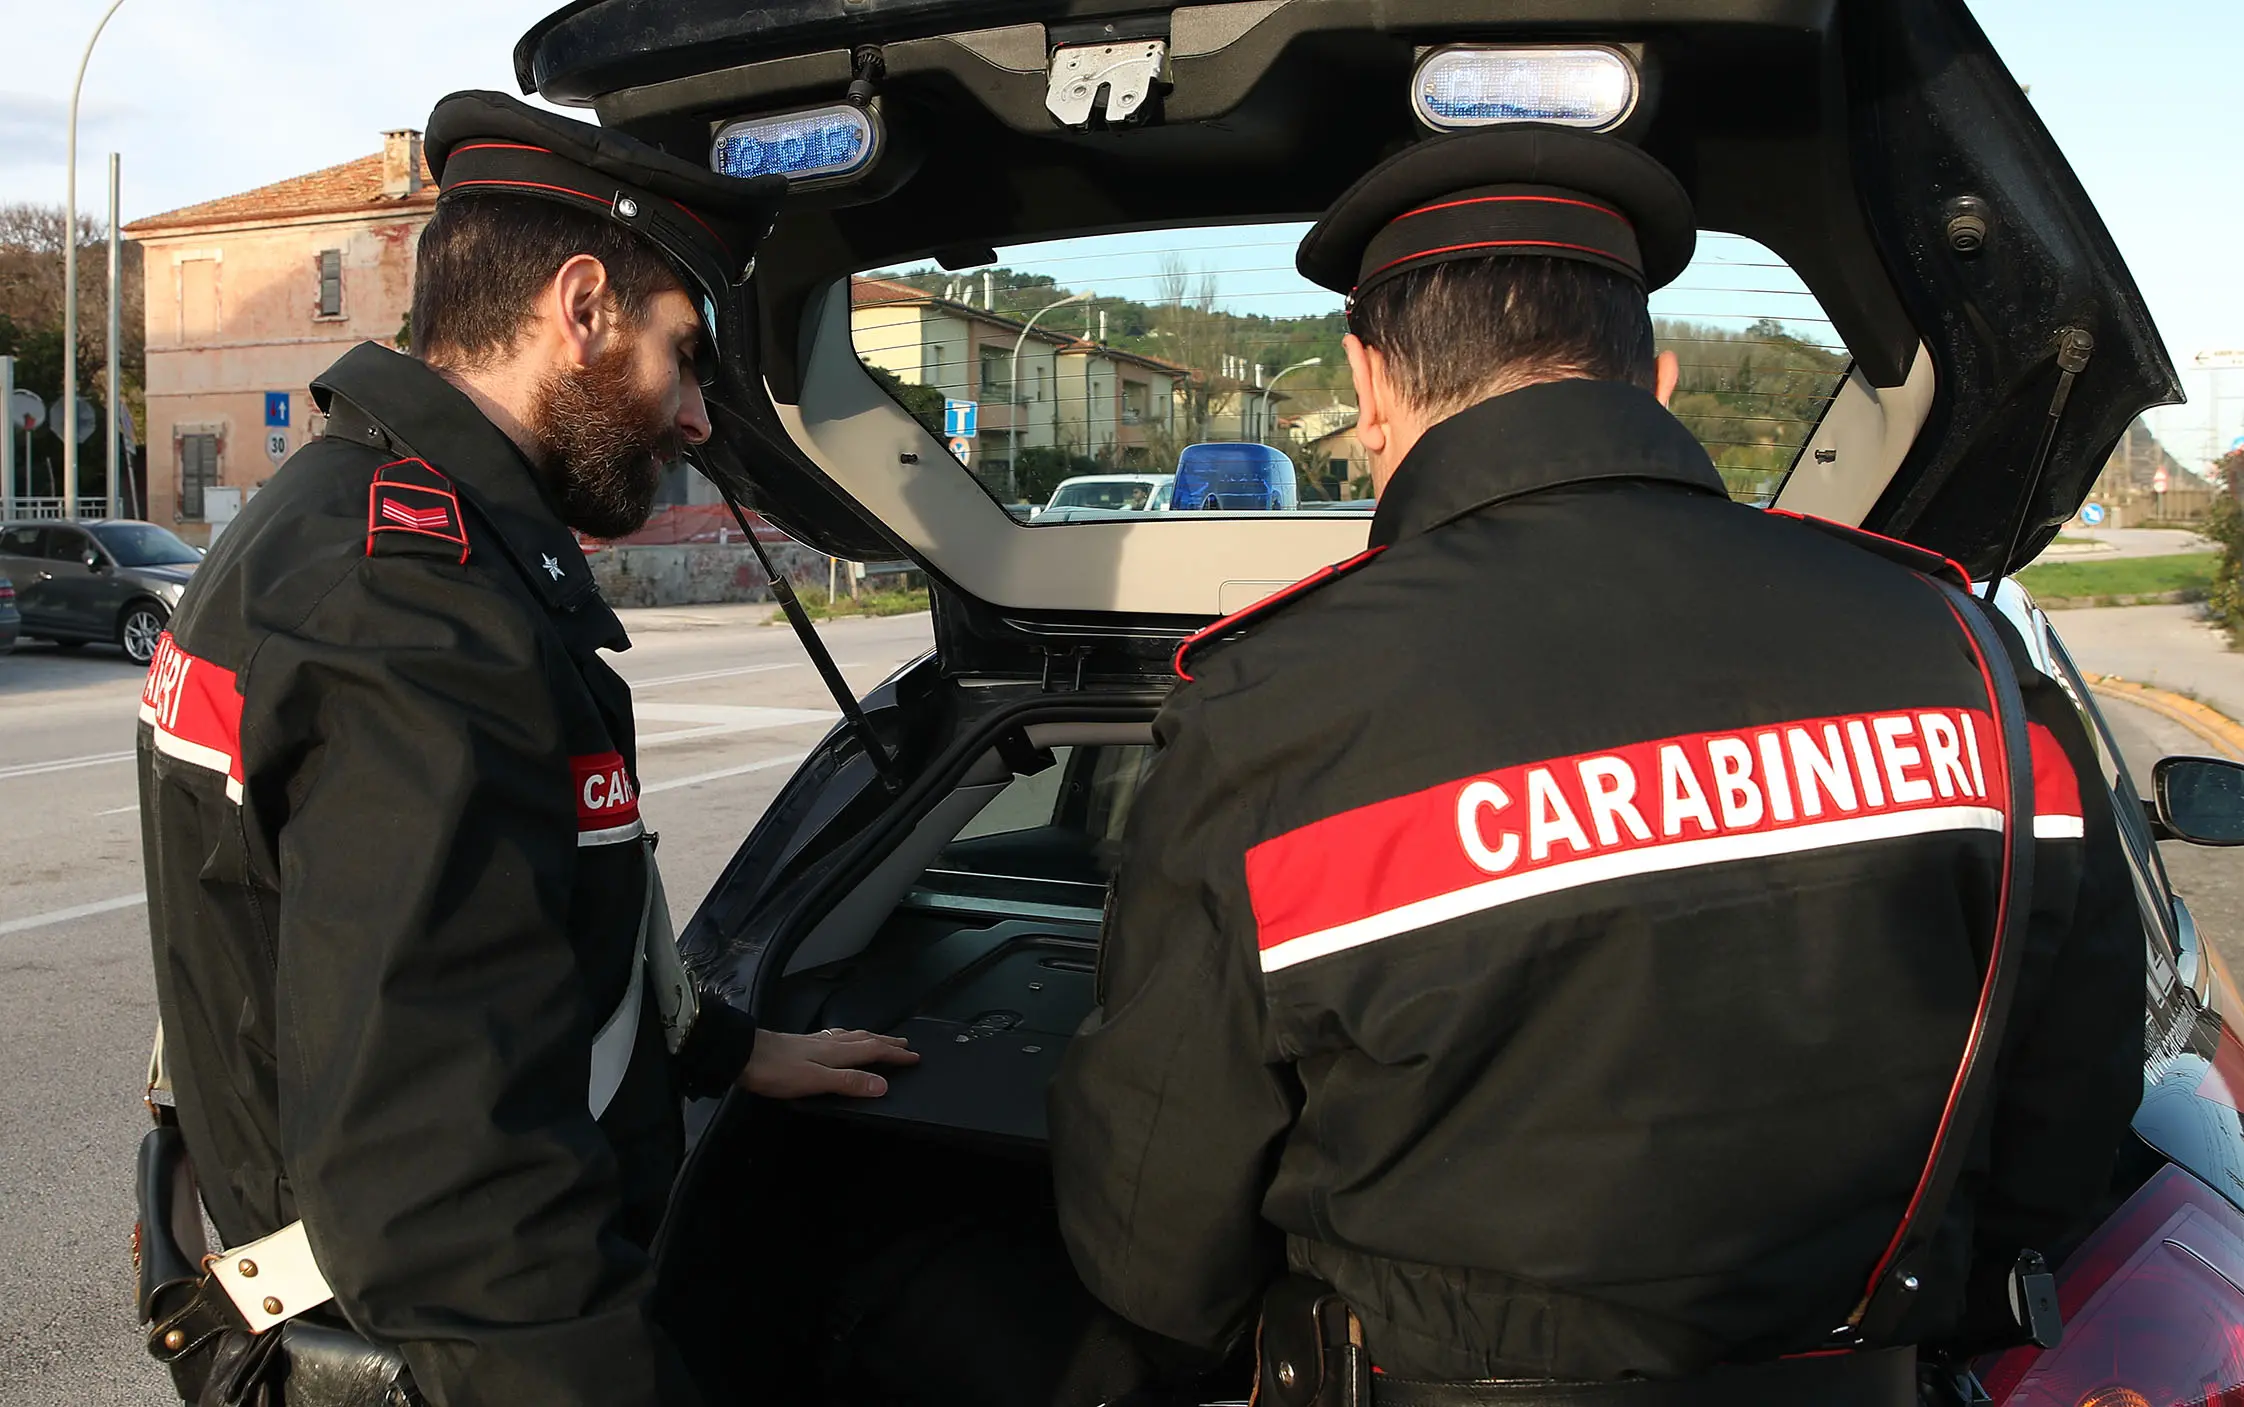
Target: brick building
point(249, 297)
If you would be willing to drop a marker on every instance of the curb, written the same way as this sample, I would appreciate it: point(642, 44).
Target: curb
point(2142, 598)
point(2217, 728)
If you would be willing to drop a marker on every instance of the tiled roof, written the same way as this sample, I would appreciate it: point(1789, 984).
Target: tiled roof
point(864, 292)
point(339, 190)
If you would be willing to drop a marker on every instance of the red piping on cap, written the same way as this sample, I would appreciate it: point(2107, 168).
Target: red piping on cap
point(500, 146)
point(1492, 244)
point(529, 185)
point(1501, 199)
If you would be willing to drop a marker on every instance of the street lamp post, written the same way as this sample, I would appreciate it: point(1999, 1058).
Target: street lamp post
point(1013, 367)
point(1270, 391)
point(69, 427)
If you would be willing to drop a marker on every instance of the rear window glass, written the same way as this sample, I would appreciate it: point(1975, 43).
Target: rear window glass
point(1194, 371)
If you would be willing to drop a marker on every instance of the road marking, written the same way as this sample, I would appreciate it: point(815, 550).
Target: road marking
point(744, 669)
point(118, 810)
point(714, 674)
point(104, 906)
point(63, 764)
point(711, 720)
point(719, 775)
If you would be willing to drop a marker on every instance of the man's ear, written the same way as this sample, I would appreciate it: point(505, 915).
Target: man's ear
point(580, 308)
point(1367, 366)
point(1667, 371)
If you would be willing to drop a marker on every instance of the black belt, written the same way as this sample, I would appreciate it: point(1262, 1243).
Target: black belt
point(1885, 1377)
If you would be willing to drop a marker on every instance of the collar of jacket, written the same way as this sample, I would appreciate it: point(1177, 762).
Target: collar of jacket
point(1538, 437)
point(427, 416)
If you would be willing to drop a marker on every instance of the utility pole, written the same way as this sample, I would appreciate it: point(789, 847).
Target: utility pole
point(8, 438)
point(69, 427)
point(114, 395)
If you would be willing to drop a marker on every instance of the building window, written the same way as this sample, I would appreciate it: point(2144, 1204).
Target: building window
point(997, 374)
point(331, 283)
point(198, 470)
point(1040, 381)
point(1136, 398)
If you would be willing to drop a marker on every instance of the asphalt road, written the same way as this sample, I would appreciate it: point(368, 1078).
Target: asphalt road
point(726, 706)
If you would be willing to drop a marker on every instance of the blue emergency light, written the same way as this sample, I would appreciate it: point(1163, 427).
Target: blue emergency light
point(1473, 85)
point(816, 144)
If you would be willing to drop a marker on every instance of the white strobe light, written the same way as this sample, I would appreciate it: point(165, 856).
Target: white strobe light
point(1468, 85)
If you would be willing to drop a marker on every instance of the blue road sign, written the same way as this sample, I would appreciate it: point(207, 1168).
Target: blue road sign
point(960, 419)
point(2092, 513)
point(276, 409)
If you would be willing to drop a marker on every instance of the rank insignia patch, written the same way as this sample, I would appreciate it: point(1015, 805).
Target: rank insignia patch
point(412, 508)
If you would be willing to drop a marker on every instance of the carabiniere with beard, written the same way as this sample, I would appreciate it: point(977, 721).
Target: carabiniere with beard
point(424, 1025)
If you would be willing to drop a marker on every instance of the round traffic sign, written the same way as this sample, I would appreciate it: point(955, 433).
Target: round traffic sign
point(961, 447)
point(86, 420)
point(26, 411)
point(2092, 513)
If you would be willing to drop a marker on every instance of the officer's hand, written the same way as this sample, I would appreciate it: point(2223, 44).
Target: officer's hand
point(825, 1062)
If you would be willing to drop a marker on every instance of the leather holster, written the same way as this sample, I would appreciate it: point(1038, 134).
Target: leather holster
point(1309, 1351)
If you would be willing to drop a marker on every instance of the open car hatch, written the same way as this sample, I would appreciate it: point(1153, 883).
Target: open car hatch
point(936, 344)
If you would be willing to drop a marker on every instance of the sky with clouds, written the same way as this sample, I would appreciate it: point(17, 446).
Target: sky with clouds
point(208, 97)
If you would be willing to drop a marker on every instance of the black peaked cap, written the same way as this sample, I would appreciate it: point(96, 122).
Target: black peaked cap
point(707, 224)
point(1521, 189)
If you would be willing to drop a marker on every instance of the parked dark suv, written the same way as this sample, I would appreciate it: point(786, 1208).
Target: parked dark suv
point(111, 582)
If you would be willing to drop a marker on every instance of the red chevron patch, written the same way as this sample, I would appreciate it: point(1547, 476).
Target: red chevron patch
point(398, 504)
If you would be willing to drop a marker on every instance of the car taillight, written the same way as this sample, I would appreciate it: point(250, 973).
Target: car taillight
point(2154, 1310)
point(7, 592)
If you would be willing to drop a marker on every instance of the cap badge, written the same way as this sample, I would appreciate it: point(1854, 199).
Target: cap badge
point(552, 565)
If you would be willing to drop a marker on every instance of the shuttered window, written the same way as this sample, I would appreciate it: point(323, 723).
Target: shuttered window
point(331, 283)
point(198, 470)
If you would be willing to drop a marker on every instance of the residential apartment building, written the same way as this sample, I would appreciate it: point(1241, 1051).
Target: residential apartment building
point(251, 296)
point(1067, 391)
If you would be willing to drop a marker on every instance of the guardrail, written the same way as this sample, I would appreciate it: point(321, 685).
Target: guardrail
point(51, 509)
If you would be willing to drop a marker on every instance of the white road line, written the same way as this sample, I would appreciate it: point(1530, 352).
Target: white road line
point(714, 674)
point(118, 810)
point(104, 906)
point(63, 764)
point(711, 720)
point(719, 775)
point(744, 669)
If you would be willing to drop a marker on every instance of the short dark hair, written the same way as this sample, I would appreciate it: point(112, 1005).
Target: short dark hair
point(1456, 333)
point(483, 257)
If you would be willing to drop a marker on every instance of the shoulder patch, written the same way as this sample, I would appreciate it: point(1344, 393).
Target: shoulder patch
point(412, 510)
point(1268, 605)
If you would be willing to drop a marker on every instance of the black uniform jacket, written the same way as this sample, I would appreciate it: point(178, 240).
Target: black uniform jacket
point(1563, 927)
point(396, 871)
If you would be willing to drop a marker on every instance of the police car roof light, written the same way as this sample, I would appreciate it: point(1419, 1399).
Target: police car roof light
point(1472, 85)
point(816, 144)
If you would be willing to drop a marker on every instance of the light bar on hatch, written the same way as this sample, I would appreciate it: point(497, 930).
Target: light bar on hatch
point(1472, 85)
point(817, 144)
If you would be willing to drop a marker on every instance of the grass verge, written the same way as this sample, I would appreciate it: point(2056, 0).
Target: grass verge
point(2129, 576)
point(864, 603)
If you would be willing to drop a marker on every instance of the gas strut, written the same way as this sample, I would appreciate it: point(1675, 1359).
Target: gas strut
point(783, 592)
point(2074, 347)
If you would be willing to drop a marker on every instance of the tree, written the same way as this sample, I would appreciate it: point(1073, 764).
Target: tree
point(923, 403)
point(31, 327)
point(2224, 524)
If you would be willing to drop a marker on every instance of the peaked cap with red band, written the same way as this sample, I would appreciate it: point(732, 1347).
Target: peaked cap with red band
point(1521, 190)
point(706, 225)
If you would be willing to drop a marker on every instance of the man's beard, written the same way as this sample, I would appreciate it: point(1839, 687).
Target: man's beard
point(606, 442)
